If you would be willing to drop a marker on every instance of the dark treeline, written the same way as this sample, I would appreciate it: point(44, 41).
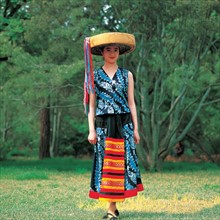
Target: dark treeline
point(176, 68)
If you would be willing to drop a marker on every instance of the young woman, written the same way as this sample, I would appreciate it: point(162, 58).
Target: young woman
point(113, 125)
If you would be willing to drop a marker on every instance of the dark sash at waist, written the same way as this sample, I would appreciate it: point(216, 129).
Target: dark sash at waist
point(113, 123)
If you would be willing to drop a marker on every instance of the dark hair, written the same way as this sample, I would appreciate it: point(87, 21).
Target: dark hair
point(98, 50)
point(101, 48)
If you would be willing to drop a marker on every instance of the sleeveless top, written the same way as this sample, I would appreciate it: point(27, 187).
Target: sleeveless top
point(111, 94)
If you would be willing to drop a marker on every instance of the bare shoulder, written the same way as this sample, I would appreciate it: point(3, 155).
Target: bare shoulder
point(130, 75)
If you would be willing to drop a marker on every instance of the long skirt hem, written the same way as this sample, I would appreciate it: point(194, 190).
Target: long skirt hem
point(115, 175)
point(126, 194)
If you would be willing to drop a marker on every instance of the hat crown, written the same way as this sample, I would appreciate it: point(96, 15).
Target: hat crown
point(125, 41)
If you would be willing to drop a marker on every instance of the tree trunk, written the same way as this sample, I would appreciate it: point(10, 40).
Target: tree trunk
point(56, 147)
point(4, 130)
point(44, 149)
point(54, 123)
point(55, 132)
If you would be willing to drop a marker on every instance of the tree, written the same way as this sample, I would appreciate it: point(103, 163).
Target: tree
point(173, 77)
point(46, 67)
point(171, 81)
point(51, 41)
point(175, 65)
point(12, 14)
point(44, 150)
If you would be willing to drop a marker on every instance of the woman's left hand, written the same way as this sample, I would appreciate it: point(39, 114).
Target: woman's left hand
point(136, 137)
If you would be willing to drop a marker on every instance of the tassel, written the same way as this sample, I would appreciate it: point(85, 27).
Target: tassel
point(89, 74)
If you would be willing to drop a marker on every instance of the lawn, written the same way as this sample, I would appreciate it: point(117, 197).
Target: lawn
point(58, 189)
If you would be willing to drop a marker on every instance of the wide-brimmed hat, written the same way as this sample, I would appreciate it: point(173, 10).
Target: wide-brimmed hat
point(125, 42)
point(94, 45)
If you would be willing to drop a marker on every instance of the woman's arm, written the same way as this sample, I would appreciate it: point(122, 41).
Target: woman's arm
point(132, 106)
point(91, 118)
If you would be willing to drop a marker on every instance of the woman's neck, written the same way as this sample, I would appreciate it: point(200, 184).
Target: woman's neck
point(110, 67)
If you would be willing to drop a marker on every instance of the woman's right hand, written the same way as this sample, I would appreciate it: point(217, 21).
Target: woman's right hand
point(92, 137)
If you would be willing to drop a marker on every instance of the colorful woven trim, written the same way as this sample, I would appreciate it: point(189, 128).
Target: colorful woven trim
point(127, 193)
point(112, 187)
point(89, 75)
point(113, 175)
point(112, 184)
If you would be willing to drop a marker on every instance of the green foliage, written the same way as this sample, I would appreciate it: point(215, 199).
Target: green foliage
point(42, 66)
point(74, 139)
point(77, 125)
point(176, 59)
point(12, 15)
point(14, 30)
point(176, 78)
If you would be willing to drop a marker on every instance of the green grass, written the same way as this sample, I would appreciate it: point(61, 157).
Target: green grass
point(58, 189)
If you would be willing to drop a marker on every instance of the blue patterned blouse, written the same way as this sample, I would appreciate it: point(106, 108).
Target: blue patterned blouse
point(111, 94)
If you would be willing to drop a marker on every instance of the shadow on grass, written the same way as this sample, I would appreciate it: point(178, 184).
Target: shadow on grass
point(30, 169)
point(188, 167)
point(85, 165)
point(58, 164)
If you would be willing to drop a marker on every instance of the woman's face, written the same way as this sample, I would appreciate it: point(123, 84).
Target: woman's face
point(111, 54)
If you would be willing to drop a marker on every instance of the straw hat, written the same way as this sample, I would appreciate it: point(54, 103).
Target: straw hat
point(95, 45)
point(125, 41)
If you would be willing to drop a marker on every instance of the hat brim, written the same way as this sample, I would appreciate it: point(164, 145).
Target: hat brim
point(125, 42)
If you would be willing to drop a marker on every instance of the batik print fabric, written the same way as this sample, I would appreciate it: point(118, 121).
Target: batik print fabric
point(131, 174)
point(116, 174)
point(111, 94)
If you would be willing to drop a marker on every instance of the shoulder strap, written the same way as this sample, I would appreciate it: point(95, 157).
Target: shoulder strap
point(124, 75)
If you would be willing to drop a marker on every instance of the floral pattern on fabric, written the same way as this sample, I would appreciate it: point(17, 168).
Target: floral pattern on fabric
point(112, 105)
point(111, 93)
point(132, 171)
